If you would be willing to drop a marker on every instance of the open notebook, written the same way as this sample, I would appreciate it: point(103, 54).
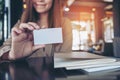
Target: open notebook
point(84, 60)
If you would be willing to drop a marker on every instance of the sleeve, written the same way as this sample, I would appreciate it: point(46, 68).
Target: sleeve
point(5, 47)
point(7, 44)
point(66, 46)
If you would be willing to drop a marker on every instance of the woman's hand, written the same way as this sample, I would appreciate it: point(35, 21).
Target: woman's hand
point(22, 41)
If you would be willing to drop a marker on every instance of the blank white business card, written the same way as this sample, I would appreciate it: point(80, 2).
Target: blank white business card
point(48, 36)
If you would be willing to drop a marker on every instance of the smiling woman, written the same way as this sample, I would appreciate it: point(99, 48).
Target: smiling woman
point(51, 8)
point(38, 14)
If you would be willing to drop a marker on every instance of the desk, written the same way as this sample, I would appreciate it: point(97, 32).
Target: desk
point(42, 69)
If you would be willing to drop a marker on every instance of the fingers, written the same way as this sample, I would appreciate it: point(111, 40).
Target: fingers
point(38, 47)
point(25, 27)
point(34, 25)
point(30, 26)
point(18, 35)
point(16, 31)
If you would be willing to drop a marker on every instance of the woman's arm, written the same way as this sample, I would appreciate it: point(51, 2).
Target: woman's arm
point(5, 48)
point(66, 46)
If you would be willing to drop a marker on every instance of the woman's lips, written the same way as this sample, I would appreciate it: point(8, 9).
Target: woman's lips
point(40, 4)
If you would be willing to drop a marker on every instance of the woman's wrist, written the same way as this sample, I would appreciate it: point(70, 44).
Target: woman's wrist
point(11, 55)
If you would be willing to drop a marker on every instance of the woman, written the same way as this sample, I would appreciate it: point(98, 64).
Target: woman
point(38, 14)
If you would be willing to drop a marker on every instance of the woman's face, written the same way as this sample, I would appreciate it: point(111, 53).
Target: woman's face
point(42, 6)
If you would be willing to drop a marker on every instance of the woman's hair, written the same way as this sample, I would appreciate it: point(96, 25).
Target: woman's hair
point(30, 15)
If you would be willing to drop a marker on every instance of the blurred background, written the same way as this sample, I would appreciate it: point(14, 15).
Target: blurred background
point(94, 26)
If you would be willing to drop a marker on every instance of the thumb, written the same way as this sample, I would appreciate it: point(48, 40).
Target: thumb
point(38, 47)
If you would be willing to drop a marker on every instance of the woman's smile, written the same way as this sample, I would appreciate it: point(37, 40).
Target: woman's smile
point(38, 4)
point(42, 6)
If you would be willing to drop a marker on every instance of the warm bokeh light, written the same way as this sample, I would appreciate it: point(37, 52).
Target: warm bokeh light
point(93, 9)
point(108, 0)
point(24, 6)
point(66, 9)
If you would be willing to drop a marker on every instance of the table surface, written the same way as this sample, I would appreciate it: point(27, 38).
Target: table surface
point(42, 69)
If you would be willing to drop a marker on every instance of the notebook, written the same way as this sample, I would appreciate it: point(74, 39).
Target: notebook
point(84, 60)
